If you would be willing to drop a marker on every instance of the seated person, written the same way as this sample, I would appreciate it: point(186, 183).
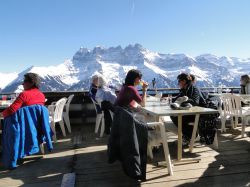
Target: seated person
point(203, 95)
point(93, 89)
point(194, 98)
point(193, 79)
point(30, 96)
point(106, 97)
point(245, 84)
point(94, 86)
point(128, 95)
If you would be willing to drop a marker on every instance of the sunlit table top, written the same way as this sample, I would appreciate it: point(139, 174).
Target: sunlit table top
point(163, 109)
point(219, 94)
point(4, 107)
point(4, 104)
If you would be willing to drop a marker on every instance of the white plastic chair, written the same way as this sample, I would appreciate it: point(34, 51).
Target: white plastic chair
point(103, 123)
point(163, 140)
point(56, 115)
point(238, 112)
point(66, 113)
point(159, 138)
point(99, 119)
point(227, 111)
point(171, 127)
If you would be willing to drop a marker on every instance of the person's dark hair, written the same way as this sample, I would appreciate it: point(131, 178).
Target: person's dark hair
point(245, 79)
point(184, 76)
point(131, 76)
point(32, 78)
point(192, 77)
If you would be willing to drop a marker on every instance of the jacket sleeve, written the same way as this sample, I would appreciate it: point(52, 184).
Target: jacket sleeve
point(181, 94)
point(18, 103)
point(194, 98)
point(247, 88)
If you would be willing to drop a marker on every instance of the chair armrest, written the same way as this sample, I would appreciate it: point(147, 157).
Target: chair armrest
point(154, 125)
point(51, 109)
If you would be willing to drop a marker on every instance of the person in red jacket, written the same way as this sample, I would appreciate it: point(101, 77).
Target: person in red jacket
point(30, 96)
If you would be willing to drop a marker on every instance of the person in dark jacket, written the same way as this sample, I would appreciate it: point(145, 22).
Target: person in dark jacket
point(194, 98)
point(193, 79)
point(203, 95)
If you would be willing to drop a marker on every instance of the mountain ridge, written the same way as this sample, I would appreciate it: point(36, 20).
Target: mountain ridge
point(114, 62)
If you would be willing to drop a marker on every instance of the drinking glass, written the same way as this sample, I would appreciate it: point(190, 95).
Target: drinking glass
point(158, 95)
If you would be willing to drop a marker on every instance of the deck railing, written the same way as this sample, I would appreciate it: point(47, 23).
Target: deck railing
point(82, 110)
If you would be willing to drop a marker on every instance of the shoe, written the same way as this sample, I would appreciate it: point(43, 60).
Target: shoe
point(107, 133)
point(185, 141)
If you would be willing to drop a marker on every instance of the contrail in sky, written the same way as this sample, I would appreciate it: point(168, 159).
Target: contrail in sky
point(132, 8)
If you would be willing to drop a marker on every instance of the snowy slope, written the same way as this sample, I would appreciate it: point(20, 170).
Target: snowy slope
point(6, 78)
point(114, 62)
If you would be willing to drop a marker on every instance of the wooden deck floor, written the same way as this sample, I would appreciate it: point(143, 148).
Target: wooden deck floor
point(85, 154)
point(228, 166)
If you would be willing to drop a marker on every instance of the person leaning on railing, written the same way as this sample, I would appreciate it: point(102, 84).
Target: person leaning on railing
point(30, 96)
point(128, 95)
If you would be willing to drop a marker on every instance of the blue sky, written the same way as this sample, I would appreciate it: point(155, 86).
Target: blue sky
point(46, 32)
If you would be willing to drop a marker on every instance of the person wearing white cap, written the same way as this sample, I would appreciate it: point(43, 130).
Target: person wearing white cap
point(106, 97)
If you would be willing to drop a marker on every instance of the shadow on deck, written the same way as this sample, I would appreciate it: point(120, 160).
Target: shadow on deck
point(85, 154)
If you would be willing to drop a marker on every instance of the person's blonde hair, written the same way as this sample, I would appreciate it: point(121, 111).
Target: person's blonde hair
point(102, 81)
point(94, 77)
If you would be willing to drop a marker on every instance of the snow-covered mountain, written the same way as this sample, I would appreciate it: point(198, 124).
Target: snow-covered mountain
point(6, 78)
point(114, 62)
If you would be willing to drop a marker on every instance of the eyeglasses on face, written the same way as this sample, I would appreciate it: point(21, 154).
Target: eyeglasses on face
point(25, 81)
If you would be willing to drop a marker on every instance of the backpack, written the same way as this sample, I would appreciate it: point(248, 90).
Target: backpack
point(208, 122)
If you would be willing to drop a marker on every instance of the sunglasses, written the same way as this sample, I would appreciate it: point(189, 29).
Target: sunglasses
point(25, 81)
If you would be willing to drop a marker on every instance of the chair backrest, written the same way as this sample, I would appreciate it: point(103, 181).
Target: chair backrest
point(111, 114)
point(58, 113)
point(68, 103)
point(227, 105)
point(236, 103)
point(95, 103)
point(232, 105)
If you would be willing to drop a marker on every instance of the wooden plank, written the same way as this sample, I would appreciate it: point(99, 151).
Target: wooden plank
point(68, 180)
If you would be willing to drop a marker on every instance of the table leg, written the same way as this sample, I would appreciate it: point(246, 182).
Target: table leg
point(180, 160)
point(179, 154)
point(196, 122)
point(165, 148)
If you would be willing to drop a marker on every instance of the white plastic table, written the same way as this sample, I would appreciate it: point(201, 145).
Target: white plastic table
point(159, 110)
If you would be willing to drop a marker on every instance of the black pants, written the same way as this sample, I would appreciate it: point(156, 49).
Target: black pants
point(187, 129)
point(106, 107)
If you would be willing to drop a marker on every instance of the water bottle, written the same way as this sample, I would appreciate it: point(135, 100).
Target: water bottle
point(219, 88)
point(170, 98)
